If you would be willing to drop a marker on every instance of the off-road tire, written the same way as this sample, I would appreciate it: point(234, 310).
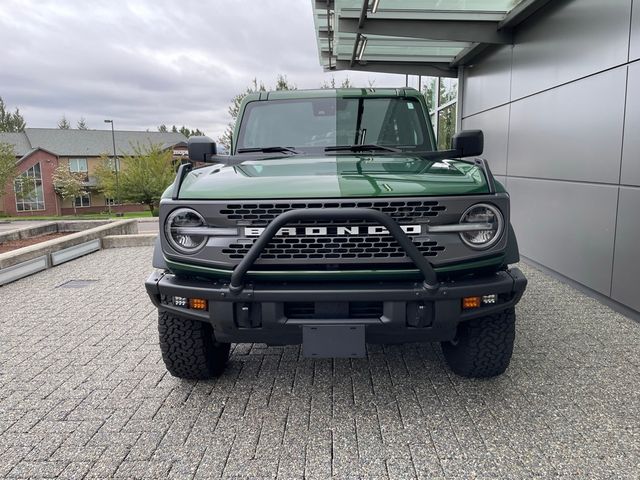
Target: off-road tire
point(483, 346)
point(189, 349)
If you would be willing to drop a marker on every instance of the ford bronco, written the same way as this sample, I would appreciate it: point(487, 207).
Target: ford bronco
point(335, 222)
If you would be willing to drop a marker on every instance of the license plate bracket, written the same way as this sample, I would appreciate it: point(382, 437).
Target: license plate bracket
point(333, 341)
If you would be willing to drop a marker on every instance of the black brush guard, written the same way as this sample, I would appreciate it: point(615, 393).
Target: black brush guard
point(239, 273)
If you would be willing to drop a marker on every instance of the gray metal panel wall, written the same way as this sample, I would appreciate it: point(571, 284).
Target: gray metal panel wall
point(634, 49)
point(502, 179)
point(573, 149)
point(495, 125)
point(626, 267)
point(567, 227)
point(573, 132)
point(569, 40)
point(631, 145)
point(488, 83)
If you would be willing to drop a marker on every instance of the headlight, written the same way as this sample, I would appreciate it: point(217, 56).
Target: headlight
point(179, 230)
point(488, 223)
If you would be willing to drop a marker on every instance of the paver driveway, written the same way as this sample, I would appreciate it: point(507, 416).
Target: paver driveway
point(83, 392)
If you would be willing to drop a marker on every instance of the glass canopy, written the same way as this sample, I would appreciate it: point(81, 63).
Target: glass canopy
point(423, 37)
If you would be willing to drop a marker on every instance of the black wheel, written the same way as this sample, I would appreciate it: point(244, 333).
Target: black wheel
point(483, 346)
point(189, 349)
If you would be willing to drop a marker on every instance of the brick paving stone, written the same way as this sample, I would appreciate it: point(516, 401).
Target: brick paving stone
point(84, 394)
point(75, 470)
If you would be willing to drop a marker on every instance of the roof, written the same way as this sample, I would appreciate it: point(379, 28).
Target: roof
point(20, 142)
point(34, 150)
point(86, 142)
point(421, 37)
point(332, 93)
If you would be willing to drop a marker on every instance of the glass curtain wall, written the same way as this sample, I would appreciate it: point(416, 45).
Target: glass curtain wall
point(29, 192)
point(442, 99)
point(28, 189)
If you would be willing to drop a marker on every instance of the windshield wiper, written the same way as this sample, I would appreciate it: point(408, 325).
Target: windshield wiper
point(361, 148)
point(268, 150)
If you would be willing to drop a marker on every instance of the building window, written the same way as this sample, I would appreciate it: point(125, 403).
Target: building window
point(110, 201)
point(83, 201)
point(114, 164)
point(442, 97)
point(29, 192)
point(78, 165)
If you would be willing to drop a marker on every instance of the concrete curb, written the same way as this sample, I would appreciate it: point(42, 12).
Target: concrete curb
point(60, 250)
point(121, 241)
point(27, 232)
point(119, 227)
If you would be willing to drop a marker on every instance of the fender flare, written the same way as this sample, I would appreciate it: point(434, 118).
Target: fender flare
point(512, 254)
point(158, 258)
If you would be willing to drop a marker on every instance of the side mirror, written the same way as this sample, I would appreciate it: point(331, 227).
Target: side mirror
point(468, 143)
point(201, 149)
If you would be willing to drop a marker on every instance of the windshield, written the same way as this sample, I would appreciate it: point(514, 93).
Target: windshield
point(316, 123)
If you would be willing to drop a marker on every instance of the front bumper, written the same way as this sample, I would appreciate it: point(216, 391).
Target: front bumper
point(403, 311)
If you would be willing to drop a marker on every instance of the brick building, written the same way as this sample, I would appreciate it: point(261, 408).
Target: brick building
point(39, 151)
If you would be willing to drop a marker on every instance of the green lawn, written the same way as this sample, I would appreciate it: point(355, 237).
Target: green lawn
point(88, 216)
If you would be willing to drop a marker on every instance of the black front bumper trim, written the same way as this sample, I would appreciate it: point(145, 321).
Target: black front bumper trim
point(275, 327)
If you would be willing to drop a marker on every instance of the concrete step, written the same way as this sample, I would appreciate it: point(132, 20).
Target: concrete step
point(138, 240)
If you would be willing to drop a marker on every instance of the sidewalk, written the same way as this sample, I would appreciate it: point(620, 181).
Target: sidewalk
point(83, 391)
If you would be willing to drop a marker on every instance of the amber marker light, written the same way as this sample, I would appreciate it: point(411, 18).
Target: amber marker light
point(471, 302)
point(197, 304)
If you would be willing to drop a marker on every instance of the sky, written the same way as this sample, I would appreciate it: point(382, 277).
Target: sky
point(144, 63)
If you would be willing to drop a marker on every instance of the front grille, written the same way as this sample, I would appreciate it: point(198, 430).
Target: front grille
point(333, 247)
point(337, 244)
point(405, 211)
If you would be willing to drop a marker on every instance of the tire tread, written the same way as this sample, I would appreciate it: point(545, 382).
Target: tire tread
point(189, 349)
point(484, 347)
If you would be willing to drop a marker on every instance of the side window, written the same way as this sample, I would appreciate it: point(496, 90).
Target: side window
point(83, 201)
point(78, 165)
point(29, 191)
point(393, 122)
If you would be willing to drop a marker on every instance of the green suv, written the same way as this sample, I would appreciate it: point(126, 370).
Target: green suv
point(333, 223)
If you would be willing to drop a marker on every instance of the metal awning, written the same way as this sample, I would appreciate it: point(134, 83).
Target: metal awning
point(420, 37)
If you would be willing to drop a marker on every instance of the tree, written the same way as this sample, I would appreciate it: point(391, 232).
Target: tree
point(106, 178)
point(282, 83)
point(346, 83)
point(68, 184)
point(234, 109)
point(429, 92)
point(327, 85)
point(82, 124)
point(146, 175)
point(190, 133)
point(10, 122)
point(187, 132)
point(63, 123)
point(7, 166)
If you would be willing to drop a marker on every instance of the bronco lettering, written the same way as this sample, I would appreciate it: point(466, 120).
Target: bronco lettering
point(333, 231)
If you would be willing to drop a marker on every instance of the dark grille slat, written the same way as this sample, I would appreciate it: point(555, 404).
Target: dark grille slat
point(262, 213)
point(333, 247)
